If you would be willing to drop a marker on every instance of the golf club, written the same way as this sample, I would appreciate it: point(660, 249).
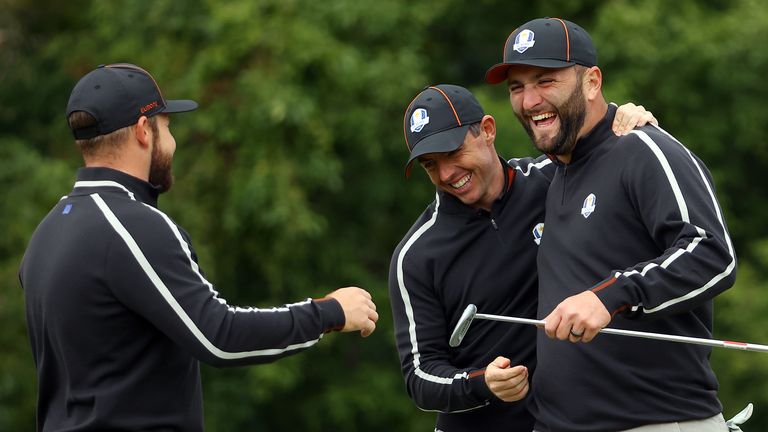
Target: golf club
point(470, 313)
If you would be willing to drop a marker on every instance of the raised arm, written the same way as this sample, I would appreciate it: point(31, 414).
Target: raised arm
point(156, 274)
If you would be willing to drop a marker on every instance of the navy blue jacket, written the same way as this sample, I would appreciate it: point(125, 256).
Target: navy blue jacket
point(119, 313)
point(635, 220)
point(452, 256)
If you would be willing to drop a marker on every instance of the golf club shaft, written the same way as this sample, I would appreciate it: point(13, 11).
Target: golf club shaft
point(658, 336)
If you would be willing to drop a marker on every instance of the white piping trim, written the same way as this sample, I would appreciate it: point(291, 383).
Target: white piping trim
point(409, 311)
point(166, 294)
point(196, 269)
point(682, 206)
point(102, 183)
point(530, 166)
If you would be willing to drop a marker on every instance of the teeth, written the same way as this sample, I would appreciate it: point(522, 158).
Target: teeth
point(538, 117)
point(461, 182)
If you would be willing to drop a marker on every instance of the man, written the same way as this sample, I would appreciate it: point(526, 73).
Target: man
point(118, 311)
point(635, 239)
point(476, 243)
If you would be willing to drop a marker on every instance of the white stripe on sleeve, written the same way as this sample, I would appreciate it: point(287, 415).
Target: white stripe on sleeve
point(409, 311)
point(683, 208)
point(166, 294)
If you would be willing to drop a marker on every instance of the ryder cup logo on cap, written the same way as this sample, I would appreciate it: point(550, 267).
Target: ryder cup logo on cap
point(523, 41)
point(419, 119)
point(437, 120)
point(545, 43)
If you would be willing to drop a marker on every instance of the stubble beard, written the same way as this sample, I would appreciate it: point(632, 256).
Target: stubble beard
point(572, 114)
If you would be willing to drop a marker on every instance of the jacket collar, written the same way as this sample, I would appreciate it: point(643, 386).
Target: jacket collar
point(94, 179)
point(599, 136)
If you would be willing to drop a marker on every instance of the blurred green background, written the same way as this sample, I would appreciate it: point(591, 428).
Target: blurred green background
point(290, 175)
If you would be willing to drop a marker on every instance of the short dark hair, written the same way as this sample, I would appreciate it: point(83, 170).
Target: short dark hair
point(580, 70)
point(475, 129)
point(101, 144)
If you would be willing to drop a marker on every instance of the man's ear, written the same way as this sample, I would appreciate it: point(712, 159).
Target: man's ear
point(593, 82)
point(143, 131)
point(488, 128)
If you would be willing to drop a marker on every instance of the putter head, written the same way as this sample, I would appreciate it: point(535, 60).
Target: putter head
point(463, 325)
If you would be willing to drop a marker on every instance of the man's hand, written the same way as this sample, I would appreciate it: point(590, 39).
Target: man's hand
point(509, 384)
point(629, 116)
point(577, 318)
point(359, 310)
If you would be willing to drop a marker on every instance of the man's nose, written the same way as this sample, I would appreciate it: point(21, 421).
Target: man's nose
point(446, 170)
point(531, 98)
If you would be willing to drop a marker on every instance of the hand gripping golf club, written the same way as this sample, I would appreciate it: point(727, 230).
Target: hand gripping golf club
point(470, 313)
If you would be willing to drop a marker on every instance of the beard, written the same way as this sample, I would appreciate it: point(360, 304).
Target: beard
point(571, 114)
point(160, 174)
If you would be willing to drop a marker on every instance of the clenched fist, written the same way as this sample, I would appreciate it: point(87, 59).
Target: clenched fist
point(508, 383)
point(359, 310)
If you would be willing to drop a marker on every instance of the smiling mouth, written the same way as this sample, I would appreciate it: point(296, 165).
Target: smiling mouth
point(544, 119)
point(461, 182)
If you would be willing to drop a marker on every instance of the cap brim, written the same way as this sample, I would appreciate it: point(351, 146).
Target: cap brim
point(498, 72)
point(440, 142)
point(177, 106)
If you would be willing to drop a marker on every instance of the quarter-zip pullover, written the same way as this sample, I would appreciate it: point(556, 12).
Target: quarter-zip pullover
point(455, 255)
point(637, 222)
point(119, 313)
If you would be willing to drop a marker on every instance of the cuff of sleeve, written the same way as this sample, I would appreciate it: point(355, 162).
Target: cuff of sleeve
point(610, 291)
point(477, 382)
point(331, 314)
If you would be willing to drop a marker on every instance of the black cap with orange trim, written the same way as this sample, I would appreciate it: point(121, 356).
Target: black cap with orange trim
point(437, 120)
point(547, 43)
point(117, 95)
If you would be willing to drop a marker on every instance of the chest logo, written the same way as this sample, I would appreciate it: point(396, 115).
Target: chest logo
point(590, 202)
point(538, 231)
point(419, 119)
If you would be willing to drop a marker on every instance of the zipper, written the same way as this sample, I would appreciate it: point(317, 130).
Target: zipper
point(565, 172)
point(489, 215)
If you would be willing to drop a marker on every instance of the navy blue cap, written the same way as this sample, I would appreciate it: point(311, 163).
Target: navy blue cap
point(547, 43)
point(437, 120)
point(117, 95)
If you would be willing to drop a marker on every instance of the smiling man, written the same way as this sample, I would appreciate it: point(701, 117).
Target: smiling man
point(635, 238)
point(475, 243)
